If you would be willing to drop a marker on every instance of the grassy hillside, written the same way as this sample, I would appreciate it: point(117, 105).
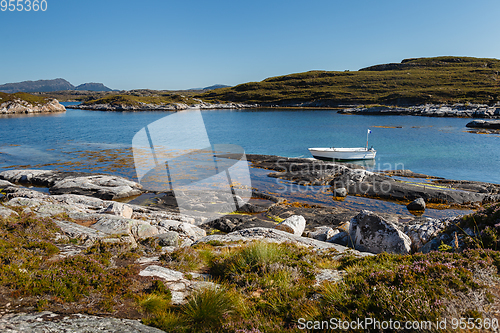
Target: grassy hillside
point(413, 81)
point(138, 97)
point(4, 97)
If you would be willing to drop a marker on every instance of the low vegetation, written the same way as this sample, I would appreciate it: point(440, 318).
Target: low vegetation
point(32, 99)
point(253, 287)
point(32, 269)
point(480, 229)
point(267, 287)
point(137, 99)
point(413, 81)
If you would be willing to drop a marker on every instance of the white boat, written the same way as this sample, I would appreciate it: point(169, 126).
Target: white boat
point(331, 154)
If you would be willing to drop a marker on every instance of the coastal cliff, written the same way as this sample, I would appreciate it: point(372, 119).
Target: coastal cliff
point(22, 103)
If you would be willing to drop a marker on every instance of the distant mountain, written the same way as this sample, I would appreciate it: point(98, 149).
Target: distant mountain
point(49, 86)
point(215, 86)
point(93, 87)
point(36, 86)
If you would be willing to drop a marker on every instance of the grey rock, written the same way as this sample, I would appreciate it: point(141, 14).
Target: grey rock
point(33, 177)
point(183, 229)
point(417, 204)
point(4, 184)
point(430, 110)
point(89, 235)
point(164, 273)
point(100, 186)
point(322, 233)
point(169, 238)
point(119, 209)
point(371, 233)
point(488, 124)
point(341, 238)
point(115, 225)
point(41, 322)
point(340, 192)
point(270, 235)
point(22, 192)
point(294, 224)
point(6, 212)
point(331, 275)
point(422, 233)
point(433, 245)
point(179, 286)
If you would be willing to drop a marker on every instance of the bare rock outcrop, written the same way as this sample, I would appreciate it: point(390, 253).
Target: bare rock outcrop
point(19, 106)
point(46, 321)
point(371, 233)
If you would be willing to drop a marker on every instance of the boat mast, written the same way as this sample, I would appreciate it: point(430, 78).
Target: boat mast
point(367, 133)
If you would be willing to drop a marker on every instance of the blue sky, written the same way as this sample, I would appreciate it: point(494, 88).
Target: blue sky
point(190, 43)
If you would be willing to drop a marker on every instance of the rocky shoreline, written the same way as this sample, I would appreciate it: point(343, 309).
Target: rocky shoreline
point(19, 106)
point(484, 124)
point(69, 190)
point(82, 208)
point(431, 110)
point(427, 110)
point(351, 179)
point(165, 107)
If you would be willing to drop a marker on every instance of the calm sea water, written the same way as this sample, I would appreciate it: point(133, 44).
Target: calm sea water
point(436, 146)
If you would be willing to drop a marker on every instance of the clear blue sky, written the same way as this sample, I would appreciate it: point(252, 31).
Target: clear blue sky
point(190, 43)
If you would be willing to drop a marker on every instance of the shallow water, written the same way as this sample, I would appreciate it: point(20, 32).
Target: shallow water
point(101, 141)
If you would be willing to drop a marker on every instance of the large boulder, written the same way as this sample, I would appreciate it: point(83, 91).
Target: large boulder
point(322, 233)
point(169, 238)
point(185, 230)
point(416, 205)
point(420, 234)
point(294, 224)
point(89, 235)
point(371, 233)
point(114, 225)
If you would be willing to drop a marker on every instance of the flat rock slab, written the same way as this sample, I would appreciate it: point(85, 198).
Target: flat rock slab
point(179, 286)
point(101, 186)
point(115, 225)
point(358, 181)
point(46, 321)
point(489, 124)
point(330, 275)
point(164, 273)
point(271, 235)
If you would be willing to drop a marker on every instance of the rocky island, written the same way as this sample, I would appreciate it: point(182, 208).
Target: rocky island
point(23, 103)
point(76, 249)
point(440, 87)
point(148, 100)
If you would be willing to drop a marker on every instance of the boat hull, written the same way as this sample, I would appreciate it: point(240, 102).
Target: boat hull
point(343, 154)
